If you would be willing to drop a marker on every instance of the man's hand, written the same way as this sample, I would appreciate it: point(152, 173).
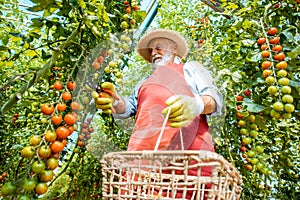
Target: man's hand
point(183, 109)
point(106, 98)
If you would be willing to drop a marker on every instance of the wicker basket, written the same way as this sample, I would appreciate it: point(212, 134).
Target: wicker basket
point(133, 175)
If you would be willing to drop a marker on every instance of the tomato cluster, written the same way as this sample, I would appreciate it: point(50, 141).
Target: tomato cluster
point(274, 70)
point(249, 131)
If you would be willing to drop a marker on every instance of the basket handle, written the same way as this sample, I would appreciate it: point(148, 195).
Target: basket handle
point(162, 131)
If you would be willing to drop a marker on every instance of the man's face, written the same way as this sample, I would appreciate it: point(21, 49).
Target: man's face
point(162, 51)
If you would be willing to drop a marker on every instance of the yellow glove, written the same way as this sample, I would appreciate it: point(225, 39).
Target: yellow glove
point(183, 109)
point(106, 98)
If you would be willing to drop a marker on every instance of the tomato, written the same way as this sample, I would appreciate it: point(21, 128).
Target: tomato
point(44, 151)
point(289, 108)
point(75, 105)
point(91, 129)
point(272, 31)
point(251, 154)
point(259, 149)
point(62, 132)
point(246, 140)
point(23, 197)
point(272, 89)
point(254, 133)
point(274, 40)
point(266, 64)
point(29, 185)
point(56, 119)
point(96, 64)
point(270, 80)
point(265, 54)
point(286, 89)
point(61, 106)
point(81, 137)
point(240, 115)
point(275, 114)
point(243, 149)
point(65, 142)
point(248, 167)
point(278, 106)
point(283, 81)
point(251, 118)
point(28, 152)
point(8, 189)
point(247, 93)
point(47, 109)
point(84, 125)
point(57, 85)
point(282, 73)
point(281, 65)
point(50, 136)
point(41, 188)
point(52, 163)
point(80, 143)
point(280, 56)
point(71, 129)
point(57, 146)
point(277, 48)
point(267, 72)
point(287, 98)
point(71, 85)
point(264, 47)
point(261, 41)
point(70, 119)
point(254, 161)
point(101, 60)
point(66, 96)
point(46, 175)
point(244, 131)
point(38, 166)
point(239, 98)
point(35, 140)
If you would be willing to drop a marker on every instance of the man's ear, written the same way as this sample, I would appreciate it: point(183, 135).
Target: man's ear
point(175, 48)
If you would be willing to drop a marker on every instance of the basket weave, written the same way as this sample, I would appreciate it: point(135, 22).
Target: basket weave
point(134, 175)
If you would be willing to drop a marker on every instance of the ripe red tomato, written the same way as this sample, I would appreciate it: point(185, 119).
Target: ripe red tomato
point(247, 93)
point(62, 132)
point(266, 64)
point(44, 151)
point(261, 41)
point(56, 119)
point(61, 106)
point(274, 40)
point(41, 188)
point(71, 85)
point(277, 48)
point(66, 96)
point(70, 119)
point(243, 149)
point(239, 98)
point(57, 85)
point(280, 56)
point(75, 105)
point(265, 54)
point(272, 31)
point(47, 109)
point(57, 146)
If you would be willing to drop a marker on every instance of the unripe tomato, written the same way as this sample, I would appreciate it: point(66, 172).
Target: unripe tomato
point(23, 197)
point(38, 166)
point(35, 140)
point(50, 136)
point(41, 188)
point(52, 163)
point(46, 175)
point(44, 151)
point(8, 189)
point(28, 152)
point(29, 185)
point(75, 105)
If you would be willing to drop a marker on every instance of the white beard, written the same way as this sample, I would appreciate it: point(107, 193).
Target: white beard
point(166, 59)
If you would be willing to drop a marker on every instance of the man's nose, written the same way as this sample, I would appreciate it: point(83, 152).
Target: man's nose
point(153, 52)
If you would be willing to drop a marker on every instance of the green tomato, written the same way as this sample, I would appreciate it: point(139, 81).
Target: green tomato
point(8, 189)
point(29, 185)
point(24, 197)
point(38, 166)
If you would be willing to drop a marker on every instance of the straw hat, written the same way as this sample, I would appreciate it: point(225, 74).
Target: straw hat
point(142, 46)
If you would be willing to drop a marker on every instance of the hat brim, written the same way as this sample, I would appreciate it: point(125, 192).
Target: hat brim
point(142, 46)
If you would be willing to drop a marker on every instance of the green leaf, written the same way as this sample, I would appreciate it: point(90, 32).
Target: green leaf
point(253, 107)
point(295, 52)
point(236, 76)
point(294, 83)
point(3, 48)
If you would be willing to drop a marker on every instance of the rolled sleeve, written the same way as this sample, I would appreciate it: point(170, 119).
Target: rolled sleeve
point(201, 83)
